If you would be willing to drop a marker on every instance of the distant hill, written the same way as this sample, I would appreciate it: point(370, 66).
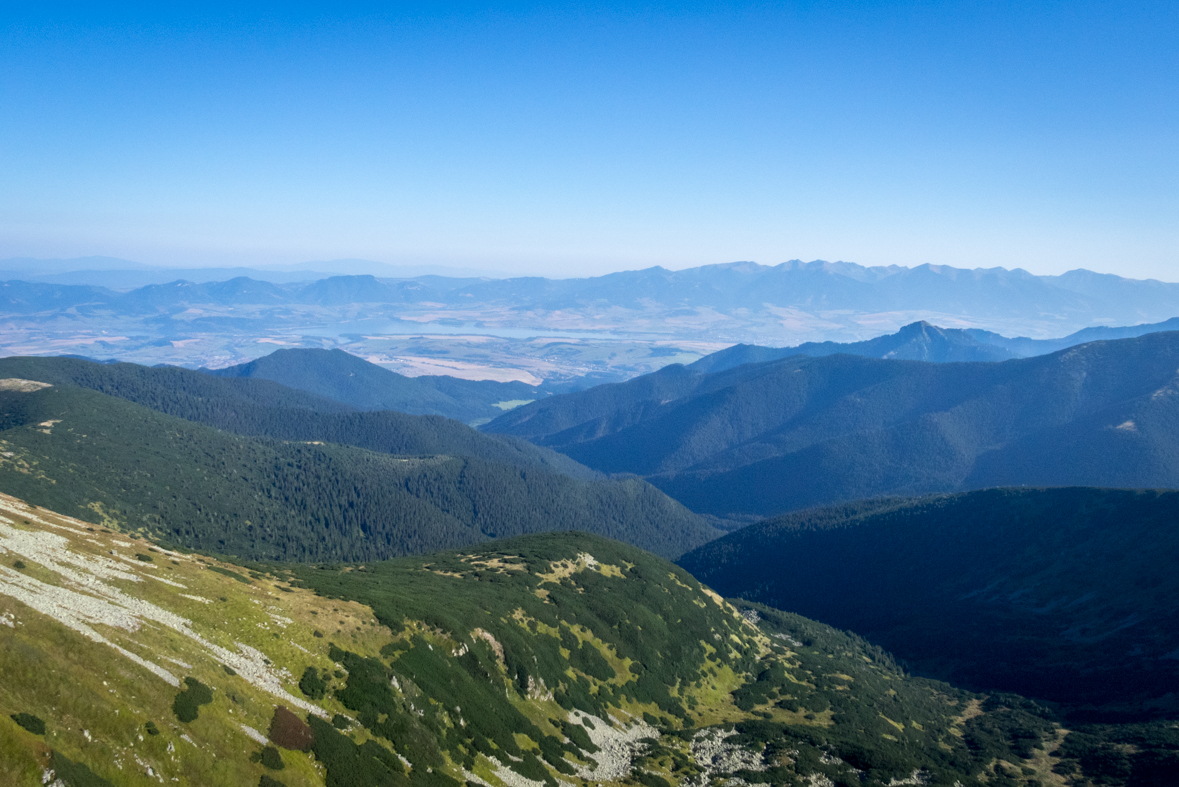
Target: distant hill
point(772, 437)
point(237, 291)
point(100, 457)
point(1061, 594)
point(562, 658)
point(338, 375)
point(29, 298)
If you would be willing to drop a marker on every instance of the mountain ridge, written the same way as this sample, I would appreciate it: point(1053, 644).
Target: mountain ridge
point(922, 341)
point(979, 292)
point(257, 407)
point(769, 437)
point(100, 457)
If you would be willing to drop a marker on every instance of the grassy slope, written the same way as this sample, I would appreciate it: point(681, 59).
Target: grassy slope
point(204, 488)
point(462, 666)
point(96, 702)
point(1065, 594)
point(768, 438)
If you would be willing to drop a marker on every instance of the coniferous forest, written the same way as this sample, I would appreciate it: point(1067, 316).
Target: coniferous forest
point(102, 458)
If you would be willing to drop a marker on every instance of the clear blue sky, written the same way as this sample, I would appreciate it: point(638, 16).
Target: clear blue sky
point(583, 139)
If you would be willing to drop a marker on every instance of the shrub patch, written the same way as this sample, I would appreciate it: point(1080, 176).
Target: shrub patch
point(187, 704)
point(30, 722)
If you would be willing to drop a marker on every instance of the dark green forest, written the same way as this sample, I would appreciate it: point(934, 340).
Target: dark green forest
point(1061, 594)
point(266, 409)
point(97, 457)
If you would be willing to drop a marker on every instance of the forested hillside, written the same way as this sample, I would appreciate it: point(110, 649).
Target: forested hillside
point(106, 459)
point(1061, 594)
point(552, 659)
point(366, 386)
point(772, 437)
point(166, 388)
point(266, 409)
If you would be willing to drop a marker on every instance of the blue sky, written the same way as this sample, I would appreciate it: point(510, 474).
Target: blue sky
point(581, 139)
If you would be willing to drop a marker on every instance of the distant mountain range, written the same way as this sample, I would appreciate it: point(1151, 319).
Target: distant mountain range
point(714, 298)
point(126, 274)
point(20, 297)
point(921, 341)
point(605, 328)
point(764, 438)
point(345, 378)
point(1060, 594)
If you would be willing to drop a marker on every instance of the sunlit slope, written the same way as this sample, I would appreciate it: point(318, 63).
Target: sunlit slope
point(99, 457)
point(100, 632)
point(545, 659)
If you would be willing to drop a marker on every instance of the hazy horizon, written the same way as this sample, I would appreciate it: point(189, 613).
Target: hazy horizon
point(357, 266)
point(573, 142)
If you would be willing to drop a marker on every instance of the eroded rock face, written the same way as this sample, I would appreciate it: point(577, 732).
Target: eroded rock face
point(289, 731)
